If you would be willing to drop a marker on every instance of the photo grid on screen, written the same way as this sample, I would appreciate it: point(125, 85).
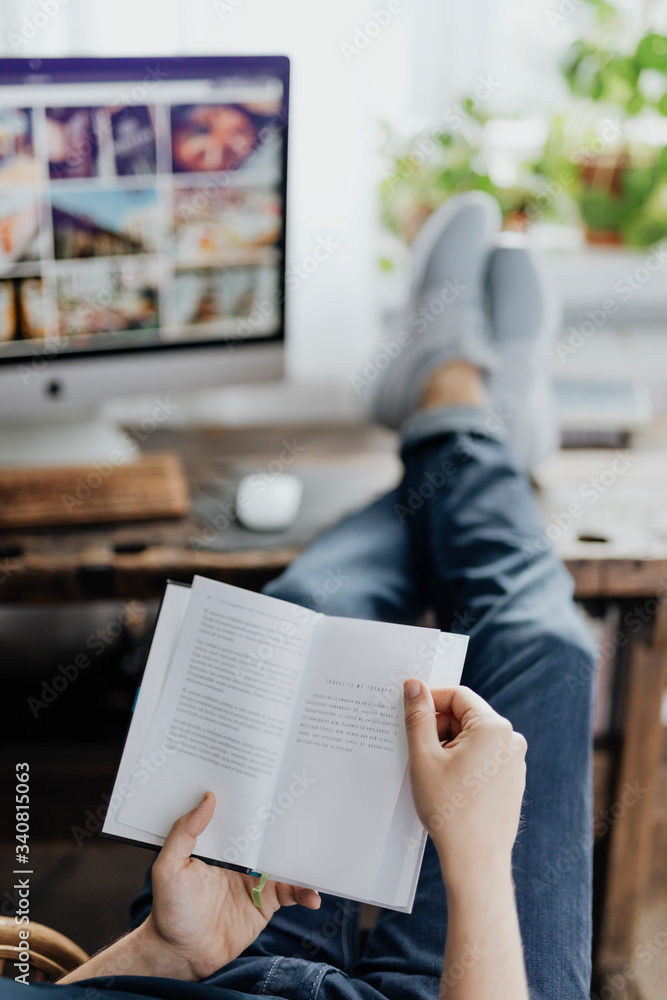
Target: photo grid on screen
point(128, 224)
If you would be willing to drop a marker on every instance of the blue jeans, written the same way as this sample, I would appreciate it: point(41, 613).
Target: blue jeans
point(462, 535)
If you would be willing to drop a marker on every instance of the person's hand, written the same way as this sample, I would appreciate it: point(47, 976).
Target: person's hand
point(467, 773)
point(204, 916)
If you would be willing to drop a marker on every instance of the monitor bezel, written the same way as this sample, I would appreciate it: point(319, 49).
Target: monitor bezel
point(111, 69)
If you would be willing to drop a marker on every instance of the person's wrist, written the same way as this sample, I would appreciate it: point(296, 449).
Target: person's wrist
point(475, 872)
point(163, 959)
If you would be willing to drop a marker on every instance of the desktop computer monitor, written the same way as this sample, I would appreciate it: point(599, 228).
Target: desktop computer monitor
point(142, 237)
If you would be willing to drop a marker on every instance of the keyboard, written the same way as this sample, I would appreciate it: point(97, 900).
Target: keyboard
point(153, 486)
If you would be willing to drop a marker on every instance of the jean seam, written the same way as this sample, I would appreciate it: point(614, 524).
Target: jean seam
point(317, 982)
point(270, 973)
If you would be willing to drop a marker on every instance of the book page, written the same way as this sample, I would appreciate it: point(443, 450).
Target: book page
point(348, 747)
point(397, 875)
point(223, 719)
point(168, 626)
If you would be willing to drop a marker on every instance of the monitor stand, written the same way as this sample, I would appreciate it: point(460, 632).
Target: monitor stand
point(84, 438)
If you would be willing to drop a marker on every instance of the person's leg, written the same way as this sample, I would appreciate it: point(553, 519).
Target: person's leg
point(490, 572)
point(363, 567)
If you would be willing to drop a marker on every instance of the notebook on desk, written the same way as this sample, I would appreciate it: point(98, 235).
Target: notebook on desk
point(601, 414)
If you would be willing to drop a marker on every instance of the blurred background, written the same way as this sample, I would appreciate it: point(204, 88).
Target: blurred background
point(557, 108)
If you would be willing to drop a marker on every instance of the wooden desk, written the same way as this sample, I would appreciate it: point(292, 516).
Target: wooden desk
point(624, 508)
point(607, 513)
point(134, 560)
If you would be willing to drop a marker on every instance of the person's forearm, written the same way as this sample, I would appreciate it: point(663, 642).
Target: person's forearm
point(139, 953)
point(483, 954)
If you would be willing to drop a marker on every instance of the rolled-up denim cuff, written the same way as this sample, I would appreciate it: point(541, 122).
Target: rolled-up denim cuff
point(423, 424)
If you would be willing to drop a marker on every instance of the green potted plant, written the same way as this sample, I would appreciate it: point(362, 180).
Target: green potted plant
point(603, 165)
point(425, 170)
point(621, 189)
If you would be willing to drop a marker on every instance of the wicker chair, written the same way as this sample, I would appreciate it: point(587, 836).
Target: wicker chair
point(51, 954)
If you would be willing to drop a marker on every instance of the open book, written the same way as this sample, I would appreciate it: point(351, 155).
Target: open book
point(295, 720)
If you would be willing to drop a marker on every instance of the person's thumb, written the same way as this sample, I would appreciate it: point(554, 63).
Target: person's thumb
point(420, 725)
point(182, 838)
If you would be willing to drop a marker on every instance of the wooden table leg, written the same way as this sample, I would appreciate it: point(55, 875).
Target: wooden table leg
point(631, 834)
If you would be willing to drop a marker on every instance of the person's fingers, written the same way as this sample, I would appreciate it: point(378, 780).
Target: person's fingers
point(442, 700)
point(285, 893)
point(420, 724)
point(457, 700)
point(448, 727)
point(309, 898)
point(289, 895)
point(182, 837)
point(462, 703)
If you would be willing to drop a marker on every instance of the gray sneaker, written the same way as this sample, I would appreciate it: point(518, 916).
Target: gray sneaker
point(447, 319)
point(524, 317)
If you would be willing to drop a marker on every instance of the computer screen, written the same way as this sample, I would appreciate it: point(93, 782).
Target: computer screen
point(142, 204)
